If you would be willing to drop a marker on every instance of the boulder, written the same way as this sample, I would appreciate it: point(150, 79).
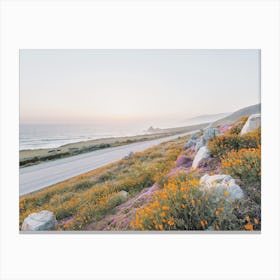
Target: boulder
point(253, 122)
point(202, 153)
point(43, 220)
point(183, 161)
point(123, 194)
point(130, 155)
point(222, 183)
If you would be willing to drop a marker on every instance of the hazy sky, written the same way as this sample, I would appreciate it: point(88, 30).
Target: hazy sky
point(83, 86)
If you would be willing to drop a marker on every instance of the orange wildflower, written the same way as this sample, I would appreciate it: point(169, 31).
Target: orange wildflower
point(226, 193)
point(249, 227)
point(202, 224)
point(170, 222)
point(162, 214)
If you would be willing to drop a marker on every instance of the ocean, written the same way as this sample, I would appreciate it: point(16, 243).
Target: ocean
point(34, 136)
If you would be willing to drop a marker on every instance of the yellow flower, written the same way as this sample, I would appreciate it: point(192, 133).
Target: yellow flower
point(193, 202)
point(217, 212)
point(184, 196)
point(183, 206)
point(226, 193)
point(160, 227)
point(166, 208)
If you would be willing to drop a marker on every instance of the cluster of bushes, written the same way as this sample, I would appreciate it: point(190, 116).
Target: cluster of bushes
point(244, 164)
point(58, 155)
point(240, 157)
point(221, 145)
point(183, 205)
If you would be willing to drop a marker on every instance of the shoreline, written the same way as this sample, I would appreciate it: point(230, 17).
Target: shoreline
point(36, 156)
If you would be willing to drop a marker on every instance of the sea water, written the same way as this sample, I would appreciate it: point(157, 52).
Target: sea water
point(34, 136)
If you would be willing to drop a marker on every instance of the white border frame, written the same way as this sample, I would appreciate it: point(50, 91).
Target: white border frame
point(139, 24)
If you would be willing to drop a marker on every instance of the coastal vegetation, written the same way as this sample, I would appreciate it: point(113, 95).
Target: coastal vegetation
point(182, 204)
point(87, 198)
point(159, 189)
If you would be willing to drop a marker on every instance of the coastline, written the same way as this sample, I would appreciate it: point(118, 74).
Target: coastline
point(36, 156)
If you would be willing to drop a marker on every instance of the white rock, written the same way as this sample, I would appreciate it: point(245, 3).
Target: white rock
point(202, 153)
point(123, 194)
point(222, 183)
point(253, 122)
point(43, 220)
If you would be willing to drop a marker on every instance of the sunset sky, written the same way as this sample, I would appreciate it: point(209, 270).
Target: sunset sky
point(83, 86)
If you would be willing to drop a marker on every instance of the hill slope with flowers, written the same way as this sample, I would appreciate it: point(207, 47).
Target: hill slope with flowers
point(162, 189)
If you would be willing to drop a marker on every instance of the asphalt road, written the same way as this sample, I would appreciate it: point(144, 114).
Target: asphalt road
point(36, 177)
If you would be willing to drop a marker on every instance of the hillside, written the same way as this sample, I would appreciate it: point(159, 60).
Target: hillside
point(176, 185)
point(208, 118)
point(254, 109)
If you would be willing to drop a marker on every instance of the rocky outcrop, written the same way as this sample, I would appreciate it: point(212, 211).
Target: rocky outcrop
point(196, 143)
point(253, 122)
point(224, 184)
point(43, 220)
point(203, 153)
point(210, 133)
point(200, 143)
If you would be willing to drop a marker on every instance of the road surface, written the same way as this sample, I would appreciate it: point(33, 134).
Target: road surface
point(36, 177)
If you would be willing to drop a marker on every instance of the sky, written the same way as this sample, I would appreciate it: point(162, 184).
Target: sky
point(160, 87)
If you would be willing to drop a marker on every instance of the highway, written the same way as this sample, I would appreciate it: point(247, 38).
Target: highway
point(36, 177)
